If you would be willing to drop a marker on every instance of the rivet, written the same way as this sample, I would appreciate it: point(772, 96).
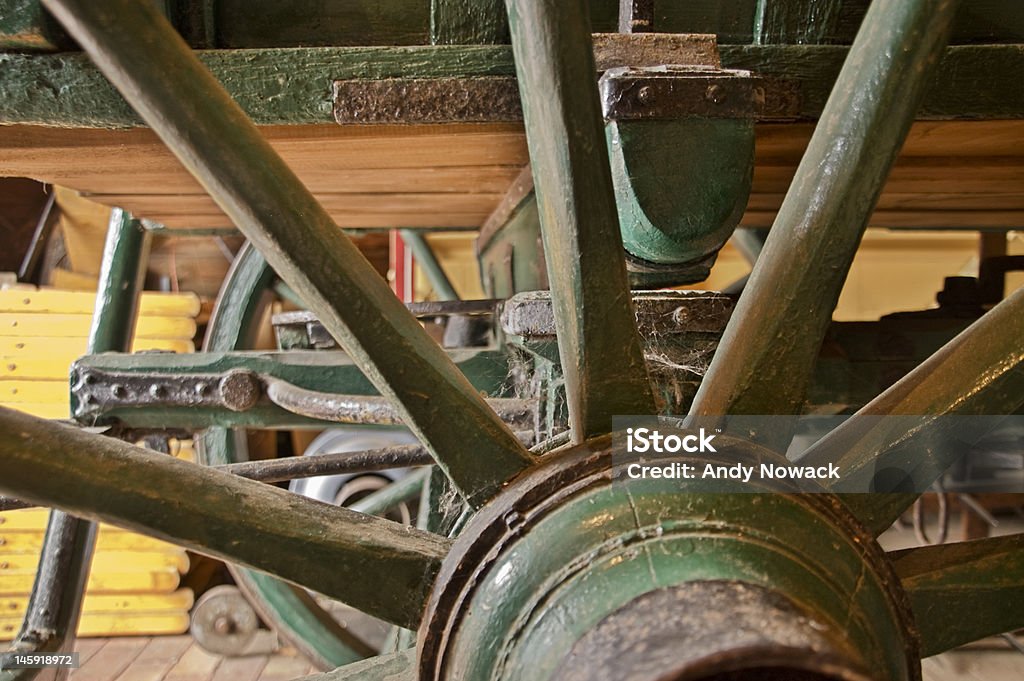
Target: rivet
point(118, 391)
point(157, 391)
point(644, 95)
point(680, 315)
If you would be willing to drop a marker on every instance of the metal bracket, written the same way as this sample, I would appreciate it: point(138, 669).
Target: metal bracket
point(672, 92)
point(237, 390)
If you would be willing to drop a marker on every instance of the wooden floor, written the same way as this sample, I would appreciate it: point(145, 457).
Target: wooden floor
point(179, 658)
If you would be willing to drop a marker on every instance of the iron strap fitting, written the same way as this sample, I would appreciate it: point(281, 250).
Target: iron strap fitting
point(671, 92)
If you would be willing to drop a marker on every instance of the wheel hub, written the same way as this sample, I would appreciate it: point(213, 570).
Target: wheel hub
point(575, 573)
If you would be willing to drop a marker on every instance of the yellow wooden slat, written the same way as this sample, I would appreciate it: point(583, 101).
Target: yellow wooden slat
point(163, 580)
point(52, 301)
point(67, 350)
point(35, 519)
point(120, 624)
point(108, 561)
point(34, 369)
point(182, 599)
point(31, 541)
point(34, 392)
point(70, 325)
point(52, 410)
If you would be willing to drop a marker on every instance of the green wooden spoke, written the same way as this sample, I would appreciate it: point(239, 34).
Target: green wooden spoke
point(381, 567)
point(600, 349)
point(215, 141)
point(978, 373)
point(964, 592)
point(769, 348)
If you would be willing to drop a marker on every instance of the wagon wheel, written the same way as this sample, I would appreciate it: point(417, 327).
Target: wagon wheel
point(560, 574)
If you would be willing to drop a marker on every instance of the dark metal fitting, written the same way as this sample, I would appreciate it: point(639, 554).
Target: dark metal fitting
point(672, 92)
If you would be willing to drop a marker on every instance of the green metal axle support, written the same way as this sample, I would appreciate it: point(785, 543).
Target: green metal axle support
point(55, 604)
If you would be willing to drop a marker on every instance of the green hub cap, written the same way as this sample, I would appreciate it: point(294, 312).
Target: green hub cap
point(568, 575)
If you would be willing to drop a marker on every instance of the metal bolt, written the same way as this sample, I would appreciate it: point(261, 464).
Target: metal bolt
point(202, 388)
point(716, 94)
point(224, 626)
point(157, 391)
point(239, 390)
point(644, 95)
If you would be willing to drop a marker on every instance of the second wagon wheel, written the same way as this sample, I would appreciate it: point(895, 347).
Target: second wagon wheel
point(561, 574)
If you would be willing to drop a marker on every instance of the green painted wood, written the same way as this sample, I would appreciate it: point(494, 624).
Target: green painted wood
point(795, 21)
point(273, 86)
point(969, 82)
point(601, 353)
point(376, 565)
point(293, 86)
point(468, 22)
point(240, 24)
point(977, 373)
point(223, 149)
point(964, 592)
point(767, 354)
point(271, 23)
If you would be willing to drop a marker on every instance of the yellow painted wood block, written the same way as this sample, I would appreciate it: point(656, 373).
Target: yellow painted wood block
point(119, 624)
point(55, 301)
point(108, 561)
point(31, 541)
point(163, 580)
point(67, 350)
point(35, 392)
point(182, 599)
point(69, 325)
point(52, 410)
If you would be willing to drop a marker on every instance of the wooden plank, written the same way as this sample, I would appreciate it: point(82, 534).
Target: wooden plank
point(111, 660)
point(165, 580)
point(195, 664)
point(51, 410)
point(37, 392)
point(917, 219)
point(156, 659)
point(28, 541)
point(71, 325)
point(87, 648)
point(284, 668)
point(180, 600)
point(151, 304)
point(240, 668)
point(69, 349)
point(367, 204)
point(109, 561)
